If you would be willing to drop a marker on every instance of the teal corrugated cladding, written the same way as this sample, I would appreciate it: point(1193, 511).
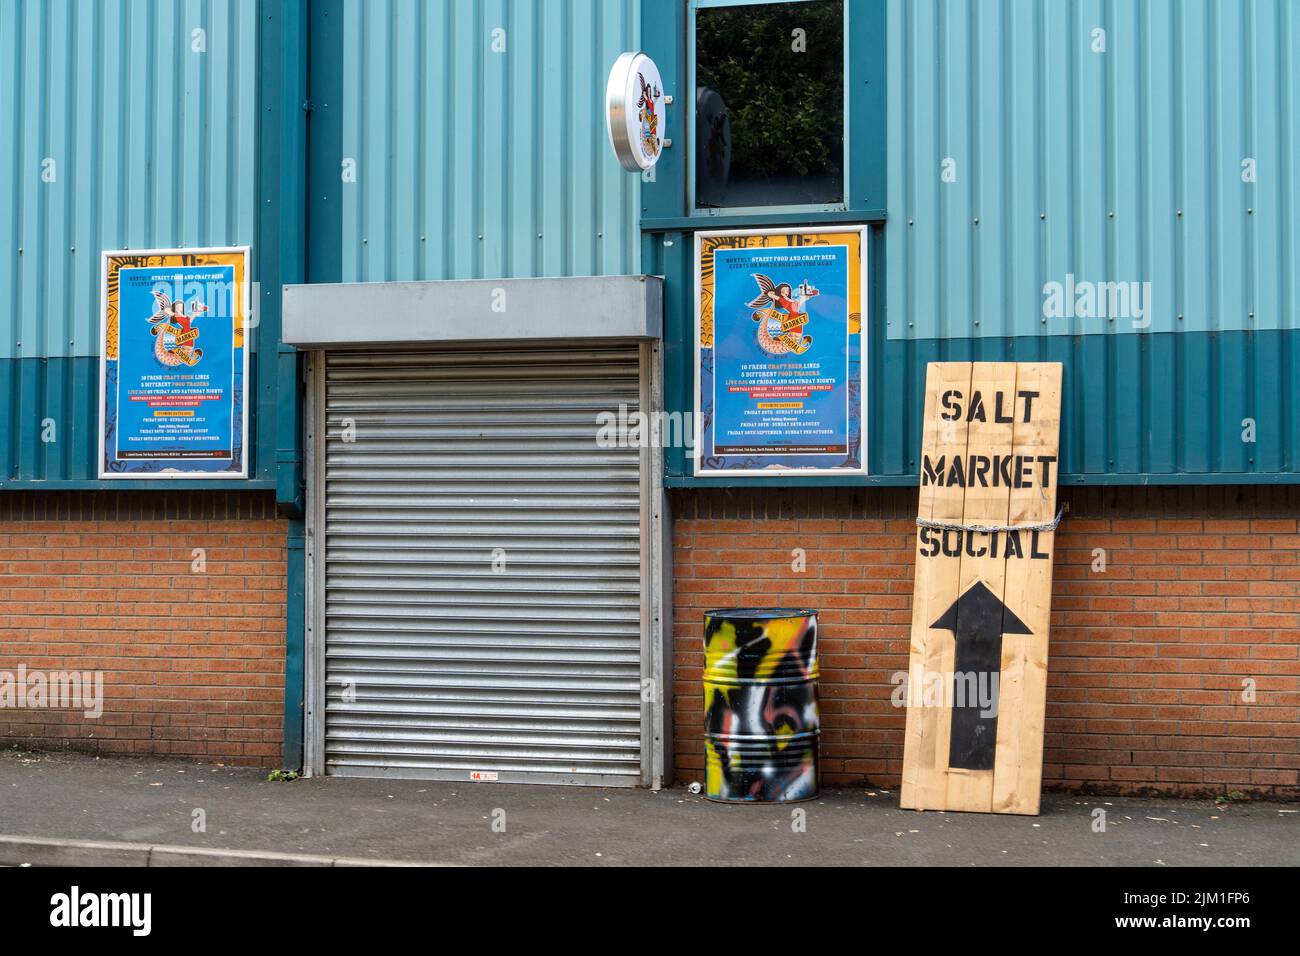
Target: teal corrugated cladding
point(152, 145)
point(477, 137)
point(1115, 166)
point(1122, 165)
point(115, 132)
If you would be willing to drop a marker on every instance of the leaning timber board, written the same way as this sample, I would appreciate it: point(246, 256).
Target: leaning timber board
point(977, 671)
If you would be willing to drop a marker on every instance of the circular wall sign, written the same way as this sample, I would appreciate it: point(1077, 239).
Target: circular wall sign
point(634, 111)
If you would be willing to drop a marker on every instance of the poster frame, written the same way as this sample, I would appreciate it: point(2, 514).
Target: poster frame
point(783, 471)
point(174, 466)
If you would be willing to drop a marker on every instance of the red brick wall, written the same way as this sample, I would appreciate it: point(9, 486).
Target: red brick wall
point(193, 663)
point(1201, 590)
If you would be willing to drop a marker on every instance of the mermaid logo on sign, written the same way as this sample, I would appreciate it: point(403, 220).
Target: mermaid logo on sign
point(634, 111)
point(174, 336)
point(647, 114)
point(781, 316)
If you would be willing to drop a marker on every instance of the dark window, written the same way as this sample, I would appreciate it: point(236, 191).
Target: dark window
point(769, 104)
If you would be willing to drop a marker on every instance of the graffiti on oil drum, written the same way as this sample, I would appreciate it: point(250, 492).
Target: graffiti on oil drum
point(760, 705)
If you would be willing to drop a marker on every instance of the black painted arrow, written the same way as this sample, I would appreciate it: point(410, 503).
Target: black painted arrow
point(977, 619)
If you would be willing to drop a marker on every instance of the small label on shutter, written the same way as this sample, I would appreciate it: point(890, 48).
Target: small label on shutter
point(483, 775)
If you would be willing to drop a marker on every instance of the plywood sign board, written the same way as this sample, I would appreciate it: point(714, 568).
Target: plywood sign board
point(977, 678)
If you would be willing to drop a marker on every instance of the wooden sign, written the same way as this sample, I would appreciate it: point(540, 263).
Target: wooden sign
point(977, 677)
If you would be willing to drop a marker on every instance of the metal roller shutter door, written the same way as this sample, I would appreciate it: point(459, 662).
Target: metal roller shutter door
point(482, 592)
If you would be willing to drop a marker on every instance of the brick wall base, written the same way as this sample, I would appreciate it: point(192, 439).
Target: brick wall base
point(192, 660)
point(1149, 660)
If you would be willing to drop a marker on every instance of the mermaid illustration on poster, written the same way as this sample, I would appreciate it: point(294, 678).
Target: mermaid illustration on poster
point(174, 338)
point(781, 316)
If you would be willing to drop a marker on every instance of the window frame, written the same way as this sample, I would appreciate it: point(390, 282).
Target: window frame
point(711, 212)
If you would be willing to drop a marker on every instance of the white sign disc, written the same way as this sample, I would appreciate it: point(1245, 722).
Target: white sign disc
point(634, 111)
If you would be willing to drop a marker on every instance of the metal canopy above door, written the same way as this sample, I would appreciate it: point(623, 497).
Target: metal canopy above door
point(507, 311)
point(481, 581)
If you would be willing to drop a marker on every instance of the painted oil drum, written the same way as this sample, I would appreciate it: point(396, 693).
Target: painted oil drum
point(761, 727)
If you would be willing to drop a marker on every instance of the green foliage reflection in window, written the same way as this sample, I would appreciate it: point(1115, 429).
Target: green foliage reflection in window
point(770, 104)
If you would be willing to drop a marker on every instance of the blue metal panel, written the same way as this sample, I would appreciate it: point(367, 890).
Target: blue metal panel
point(1122, 165)
point(476, 135)
point(117, 133)
point(120, 127)
point(1099, 140)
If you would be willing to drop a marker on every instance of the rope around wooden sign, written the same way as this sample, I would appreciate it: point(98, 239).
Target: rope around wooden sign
point(989, 528)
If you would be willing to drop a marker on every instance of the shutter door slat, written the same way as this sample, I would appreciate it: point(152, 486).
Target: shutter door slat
point(531, 670)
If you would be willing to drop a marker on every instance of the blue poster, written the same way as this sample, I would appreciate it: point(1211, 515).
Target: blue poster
point(780, 353)
point(174, 364)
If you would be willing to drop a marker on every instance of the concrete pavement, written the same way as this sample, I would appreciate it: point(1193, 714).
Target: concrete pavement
point(154, 806)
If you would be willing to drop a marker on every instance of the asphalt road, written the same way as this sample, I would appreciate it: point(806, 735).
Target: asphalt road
point(154, 801)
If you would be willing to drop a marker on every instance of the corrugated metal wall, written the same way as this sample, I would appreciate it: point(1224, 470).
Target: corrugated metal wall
point(471, 162)
point(120, 127)
point(476, 135)
point(1103, 139)
point(1122, 165)
point(117, 134)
